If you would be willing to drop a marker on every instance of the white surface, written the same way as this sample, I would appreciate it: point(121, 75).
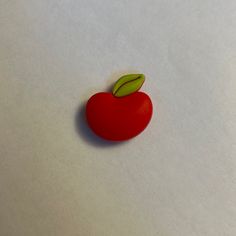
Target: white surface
point(176, 179)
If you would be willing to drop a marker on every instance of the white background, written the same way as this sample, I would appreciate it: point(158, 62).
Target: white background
point(178, 178)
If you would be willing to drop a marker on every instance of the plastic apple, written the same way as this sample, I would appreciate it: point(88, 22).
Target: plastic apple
point(122, 114)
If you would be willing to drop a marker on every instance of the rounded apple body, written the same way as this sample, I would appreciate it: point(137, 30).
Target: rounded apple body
point(118, 118)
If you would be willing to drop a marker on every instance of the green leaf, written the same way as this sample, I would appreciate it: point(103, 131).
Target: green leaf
point(128, 84)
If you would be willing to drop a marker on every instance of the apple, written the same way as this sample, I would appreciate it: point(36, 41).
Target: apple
point(122, 114)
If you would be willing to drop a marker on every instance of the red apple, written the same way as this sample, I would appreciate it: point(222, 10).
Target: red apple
point(119, 118)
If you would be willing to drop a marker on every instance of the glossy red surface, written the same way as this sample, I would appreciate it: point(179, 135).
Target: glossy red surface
point(118, 119)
